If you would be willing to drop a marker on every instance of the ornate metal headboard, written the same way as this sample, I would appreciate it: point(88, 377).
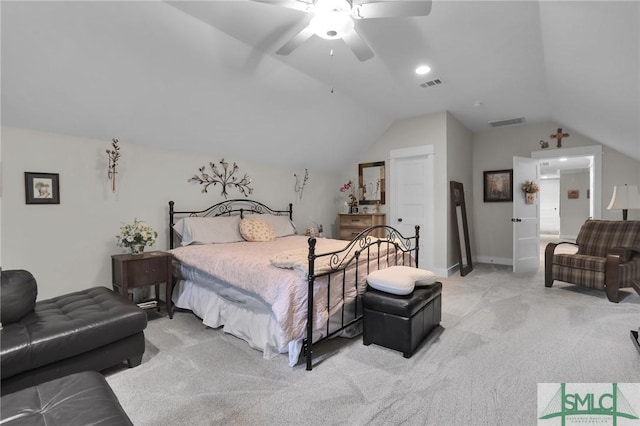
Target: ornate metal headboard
point(225, 208)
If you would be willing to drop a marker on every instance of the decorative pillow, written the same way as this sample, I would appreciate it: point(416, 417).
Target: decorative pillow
point(208, 230)
point(255, 230)
point(18, 290)
point(400, 280)
point(282, 225)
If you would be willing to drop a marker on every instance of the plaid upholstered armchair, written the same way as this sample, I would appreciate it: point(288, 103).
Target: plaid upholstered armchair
point(608, 257)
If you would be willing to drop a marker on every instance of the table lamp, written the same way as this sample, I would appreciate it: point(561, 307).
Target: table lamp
point(624, 197)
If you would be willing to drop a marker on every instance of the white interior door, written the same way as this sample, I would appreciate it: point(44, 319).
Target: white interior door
point(411, 188)
point(526, 217)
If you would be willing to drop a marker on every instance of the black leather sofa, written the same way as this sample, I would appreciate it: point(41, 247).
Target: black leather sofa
point(92, 329)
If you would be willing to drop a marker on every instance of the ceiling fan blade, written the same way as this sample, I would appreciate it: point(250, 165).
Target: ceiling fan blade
point(296, 41)
point(359, 47)
point(302, 5)
point(392, 9)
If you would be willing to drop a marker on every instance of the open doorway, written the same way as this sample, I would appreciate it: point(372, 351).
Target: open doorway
point(565, 195)
point(570, 191)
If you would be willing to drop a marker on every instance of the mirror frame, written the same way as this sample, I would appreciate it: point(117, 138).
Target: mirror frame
point(361, 183)
point(460, 229)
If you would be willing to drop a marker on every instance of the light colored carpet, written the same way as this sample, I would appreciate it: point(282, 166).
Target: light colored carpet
point(501, 334)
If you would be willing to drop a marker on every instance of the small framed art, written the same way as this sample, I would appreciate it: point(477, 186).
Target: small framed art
point(498, 185)
point(42, 188)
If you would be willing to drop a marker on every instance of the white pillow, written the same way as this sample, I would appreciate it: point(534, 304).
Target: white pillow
point(400, 280)
point(208, 230)
point(282, 225)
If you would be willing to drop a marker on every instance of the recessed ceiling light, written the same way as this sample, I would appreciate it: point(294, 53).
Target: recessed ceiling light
point(564, 159)
point(422, 70)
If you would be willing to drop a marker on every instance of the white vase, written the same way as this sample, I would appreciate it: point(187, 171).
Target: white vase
point(137, 249)
point(530, 198)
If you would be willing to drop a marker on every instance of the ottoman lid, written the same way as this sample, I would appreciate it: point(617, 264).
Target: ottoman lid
point(404, 306)
point(399, 279)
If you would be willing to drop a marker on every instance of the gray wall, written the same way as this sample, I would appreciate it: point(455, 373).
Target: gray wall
point(494, 150)
point(452, 144)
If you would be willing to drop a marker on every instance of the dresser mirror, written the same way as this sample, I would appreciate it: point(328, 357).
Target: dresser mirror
point(460, 227)
point(371, 183)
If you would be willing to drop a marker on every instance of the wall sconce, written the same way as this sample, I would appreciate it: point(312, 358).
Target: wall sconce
point(624, 197)
point(114, 156)
point(297, 187)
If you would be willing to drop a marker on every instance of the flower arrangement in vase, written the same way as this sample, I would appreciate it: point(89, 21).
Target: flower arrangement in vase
point(352, 201)
point(530, 188)
point(136, 236)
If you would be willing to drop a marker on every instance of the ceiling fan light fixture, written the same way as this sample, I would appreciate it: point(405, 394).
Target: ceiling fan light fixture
point(423, 69)
point(331, 24)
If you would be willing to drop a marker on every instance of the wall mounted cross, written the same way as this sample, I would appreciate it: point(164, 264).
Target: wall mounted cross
point(559, 136)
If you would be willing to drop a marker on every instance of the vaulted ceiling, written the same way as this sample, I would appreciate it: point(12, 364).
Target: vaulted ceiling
point(203, 76)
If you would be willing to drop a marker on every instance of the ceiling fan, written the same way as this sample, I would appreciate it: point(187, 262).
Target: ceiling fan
point(334, 19)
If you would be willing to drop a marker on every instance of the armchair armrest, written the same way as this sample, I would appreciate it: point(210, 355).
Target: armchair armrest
point(548, 261)
point(624, 253)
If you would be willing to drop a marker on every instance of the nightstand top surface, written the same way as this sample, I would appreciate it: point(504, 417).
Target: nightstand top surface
point(141, 256)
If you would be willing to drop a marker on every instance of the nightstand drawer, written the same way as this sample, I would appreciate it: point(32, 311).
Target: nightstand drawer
point(149, 271)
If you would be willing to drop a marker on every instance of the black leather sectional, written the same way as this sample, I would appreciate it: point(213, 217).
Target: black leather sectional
point(92, 329)
point(76, 400)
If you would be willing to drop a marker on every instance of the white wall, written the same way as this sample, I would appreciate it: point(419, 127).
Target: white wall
point(494, 150)
point(69, 246)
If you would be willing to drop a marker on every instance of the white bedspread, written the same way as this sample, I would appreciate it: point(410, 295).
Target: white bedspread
point(248, 266)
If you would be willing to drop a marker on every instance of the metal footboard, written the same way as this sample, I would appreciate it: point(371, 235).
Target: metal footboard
point(401, 250)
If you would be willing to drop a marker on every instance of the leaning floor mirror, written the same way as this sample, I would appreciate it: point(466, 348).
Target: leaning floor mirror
point(460, 227)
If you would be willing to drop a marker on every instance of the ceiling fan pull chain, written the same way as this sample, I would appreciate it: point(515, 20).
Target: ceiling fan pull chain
point(331, 54)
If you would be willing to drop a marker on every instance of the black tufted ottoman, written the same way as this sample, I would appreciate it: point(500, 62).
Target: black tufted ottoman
point(92, 329)
point(401, 322)
point(78, 399)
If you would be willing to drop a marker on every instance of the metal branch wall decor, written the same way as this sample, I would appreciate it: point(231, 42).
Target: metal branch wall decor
point(298, 187)
point(226, 177)
point(114, 156)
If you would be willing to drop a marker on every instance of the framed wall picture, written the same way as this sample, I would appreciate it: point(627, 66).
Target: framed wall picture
point(573, 194)
point(42, 188)
point(498, 185)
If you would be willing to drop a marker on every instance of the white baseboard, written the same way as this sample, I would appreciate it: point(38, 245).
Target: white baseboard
point(440, 272)
point(495, 260)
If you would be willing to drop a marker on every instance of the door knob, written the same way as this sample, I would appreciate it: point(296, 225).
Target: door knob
point(399, 219)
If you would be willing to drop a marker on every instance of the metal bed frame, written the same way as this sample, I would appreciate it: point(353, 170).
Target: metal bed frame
point(404, 252)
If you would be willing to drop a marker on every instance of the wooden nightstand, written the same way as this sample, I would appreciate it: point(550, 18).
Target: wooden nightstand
point(141, 270)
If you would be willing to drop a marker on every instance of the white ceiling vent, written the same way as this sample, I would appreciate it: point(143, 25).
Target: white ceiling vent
point(507, 122)
point(431, 83)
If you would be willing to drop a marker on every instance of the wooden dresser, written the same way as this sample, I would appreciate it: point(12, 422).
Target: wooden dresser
point(350, 225)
